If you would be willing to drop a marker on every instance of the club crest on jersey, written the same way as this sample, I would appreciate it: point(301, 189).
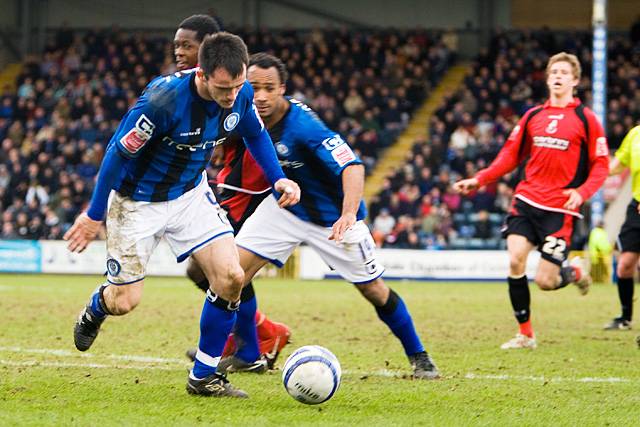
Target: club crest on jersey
point(231, 121)
point(113, 267)
point(282, 149)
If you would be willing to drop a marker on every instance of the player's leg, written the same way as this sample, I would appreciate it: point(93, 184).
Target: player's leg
point(267, 235)
point(392, 310)
point(131, 236)
point(519, 247)
point(355, 260)
point(628, 243)
point(627, 266)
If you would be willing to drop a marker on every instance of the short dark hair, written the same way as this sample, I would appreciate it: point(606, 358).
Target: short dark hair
point(203, 25)
point(223, 50)
point(264, 60)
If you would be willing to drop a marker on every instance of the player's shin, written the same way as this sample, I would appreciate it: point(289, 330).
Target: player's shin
point(520, 301)
point(245, 329)
point(396, 316)
point(625, 293)
point(217, 320)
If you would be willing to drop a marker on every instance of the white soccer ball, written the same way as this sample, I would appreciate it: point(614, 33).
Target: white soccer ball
point(311, 374)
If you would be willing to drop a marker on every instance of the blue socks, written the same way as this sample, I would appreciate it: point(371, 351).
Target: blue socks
point(217, 320)
point(395, 314)
point(97, 302)
point(246, 331)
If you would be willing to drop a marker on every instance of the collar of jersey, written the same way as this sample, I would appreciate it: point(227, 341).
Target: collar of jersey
point(211, 107)
point(572, 104)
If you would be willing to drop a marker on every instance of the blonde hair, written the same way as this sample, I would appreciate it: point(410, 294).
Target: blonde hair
point(569, 58)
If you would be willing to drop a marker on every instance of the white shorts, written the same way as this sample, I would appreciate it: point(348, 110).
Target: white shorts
point(273, 233)
point(134, 229)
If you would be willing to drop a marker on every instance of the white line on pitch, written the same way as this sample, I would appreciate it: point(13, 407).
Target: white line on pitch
point(37, 363)
point(67, 353)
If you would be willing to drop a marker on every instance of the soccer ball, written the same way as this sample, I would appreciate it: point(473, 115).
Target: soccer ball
point(311, 374)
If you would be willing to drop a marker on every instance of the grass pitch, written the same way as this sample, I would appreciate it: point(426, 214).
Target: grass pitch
point(135, 373)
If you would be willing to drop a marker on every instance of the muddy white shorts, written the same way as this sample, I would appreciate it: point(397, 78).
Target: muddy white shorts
point(273, 233)
point(189, 223)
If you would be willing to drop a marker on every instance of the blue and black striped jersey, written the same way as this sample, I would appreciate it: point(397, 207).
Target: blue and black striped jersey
point(313, 156)
point(170, 134)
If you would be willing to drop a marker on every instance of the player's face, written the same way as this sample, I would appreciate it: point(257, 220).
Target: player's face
point(222, 87)
point(185, 48)
point(561, 80)
point(267, 88)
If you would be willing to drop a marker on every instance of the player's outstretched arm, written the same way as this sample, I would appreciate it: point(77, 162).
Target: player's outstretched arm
point(466, 186)
point(353, 188)
point(87, 225)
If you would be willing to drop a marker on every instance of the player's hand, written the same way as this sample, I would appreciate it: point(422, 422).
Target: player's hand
point(574, 201)
point(466, 186)
point(82, 232)
point(344, 223)
point(290, 192)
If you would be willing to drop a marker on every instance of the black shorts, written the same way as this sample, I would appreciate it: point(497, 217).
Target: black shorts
point(629, 237)
point(549, 231)
point(239, 205)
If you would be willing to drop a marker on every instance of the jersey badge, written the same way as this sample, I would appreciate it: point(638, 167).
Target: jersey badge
point(139, 135)
point(343, 155)
point(231, 121)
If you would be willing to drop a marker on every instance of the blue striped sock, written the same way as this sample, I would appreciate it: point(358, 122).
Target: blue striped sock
point(246, 330)
point(96, 306)
point(215, 325)
point(395, 314)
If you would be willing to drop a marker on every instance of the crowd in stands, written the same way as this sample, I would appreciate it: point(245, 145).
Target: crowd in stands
point(69, 101)
point(417, 208)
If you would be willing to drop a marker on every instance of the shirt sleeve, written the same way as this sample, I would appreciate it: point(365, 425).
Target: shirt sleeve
point(330, 148)
point(624, 152)
point(598, 157)
point(514, 151)
point(147, 119)
point(250, 124)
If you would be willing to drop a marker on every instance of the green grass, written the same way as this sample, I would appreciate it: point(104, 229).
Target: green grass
point(462, 326)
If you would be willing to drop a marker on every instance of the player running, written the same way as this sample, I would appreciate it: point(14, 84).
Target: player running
point(566, 156)
point(329, 215)
point(628, 242)
point(155, 164)
point(243, 188)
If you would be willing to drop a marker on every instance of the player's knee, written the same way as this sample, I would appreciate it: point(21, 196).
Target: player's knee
point(625, 269)
point(546, 283)
point(516, 264)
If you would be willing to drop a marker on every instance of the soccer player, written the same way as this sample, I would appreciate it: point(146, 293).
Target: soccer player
point(244, 186)
point(566, 157)
point(628, 242)
point(155, 164)
point(329, 215)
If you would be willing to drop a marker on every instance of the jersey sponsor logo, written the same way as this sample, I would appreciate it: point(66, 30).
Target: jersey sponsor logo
point(135, 139)
point(295, 164)
point(552, 127)
point(602, 148)
point(551, 142)
point(206, 145)
point(333, 142)
point(282, 149)
point(343, 155)
point(231, 121)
